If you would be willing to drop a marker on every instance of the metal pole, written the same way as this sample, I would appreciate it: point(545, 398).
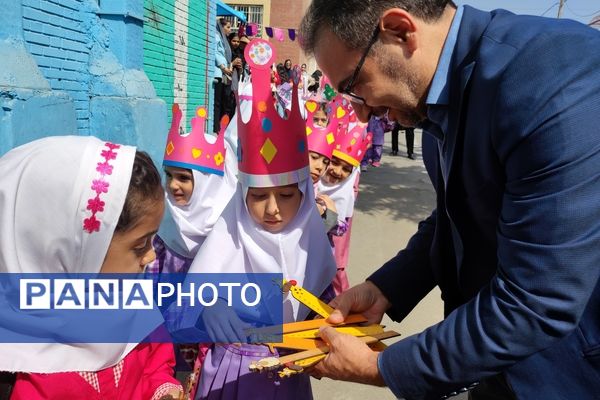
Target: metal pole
point(560, 8)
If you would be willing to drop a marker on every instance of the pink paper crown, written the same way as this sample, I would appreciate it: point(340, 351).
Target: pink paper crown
point(195, 151)
point(352, 145)
point(272, 151)
point(343, 111)
point(320, 140)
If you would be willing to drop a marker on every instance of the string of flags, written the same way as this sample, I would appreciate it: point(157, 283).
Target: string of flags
point(272, 32)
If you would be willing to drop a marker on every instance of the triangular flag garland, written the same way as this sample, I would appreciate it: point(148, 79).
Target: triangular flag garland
point(277, 33)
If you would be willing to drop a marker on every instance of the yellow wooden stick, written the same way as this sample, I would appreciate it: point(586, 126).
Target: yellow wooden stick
point(349, 330)
point(310, 300)
point(303, 325)
point(298, 343)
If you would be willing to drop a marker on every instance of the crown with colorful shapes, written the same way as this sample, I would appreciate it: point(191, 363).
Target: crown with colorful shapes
point(272, 151)
point(196, 150)
point(320, 139)
point(343, 111)
point(352, 145)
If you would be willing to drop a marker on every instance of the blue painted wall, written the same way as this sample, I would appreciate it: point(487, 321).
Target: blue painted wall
point(76, 67)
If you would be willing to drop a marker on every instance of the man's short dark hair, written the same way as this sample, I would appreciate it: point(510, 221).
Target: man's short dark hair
point(353, 21)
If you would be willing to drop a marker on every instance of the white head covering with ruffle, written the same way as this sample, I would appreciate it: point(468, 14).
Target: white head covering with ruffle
point(53, 221)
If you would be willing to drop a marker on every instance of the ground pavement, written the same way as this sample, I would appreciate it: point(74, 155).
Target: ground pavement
point(392, 200)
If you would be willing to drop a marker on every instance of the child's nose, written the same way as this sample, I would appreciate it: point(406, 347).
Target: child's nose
point(272, 208)
point(149, 257)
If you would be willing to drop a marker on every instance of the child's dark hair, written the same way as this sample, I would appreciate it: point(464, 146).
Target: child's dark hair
point(145, 189)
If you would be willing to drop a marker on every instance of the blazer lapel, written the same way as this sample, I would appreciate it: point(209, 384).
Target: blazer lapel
point(454, 120)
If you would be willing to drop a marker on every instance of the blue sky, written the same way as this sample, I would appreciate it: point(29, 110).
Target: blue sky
point(579, 10)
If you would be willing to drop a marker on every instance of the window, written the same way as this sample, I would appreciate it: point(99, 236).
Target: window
point(254, 14)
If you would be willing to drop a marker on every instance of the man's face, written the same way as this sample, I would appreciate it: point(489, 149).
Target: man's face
point(388, 81)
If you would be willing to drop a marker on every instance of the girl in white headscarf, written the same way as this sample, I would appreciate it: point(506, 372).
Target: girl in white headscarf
point(195, 197)
point(80, 205)
point(270, 226)
point(194, 200)
point(340, 183)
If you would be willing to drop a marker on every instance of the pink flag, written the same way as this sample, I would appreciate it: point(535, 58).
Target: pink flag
point(278, 34)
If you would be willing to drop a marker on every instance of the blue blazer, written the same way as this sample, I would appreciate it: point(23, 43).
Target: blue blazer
point(514, 243)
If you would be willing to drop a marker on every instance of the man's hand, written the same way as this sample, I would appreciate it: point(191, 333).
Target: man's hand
point(348, 359)
point(365, 299)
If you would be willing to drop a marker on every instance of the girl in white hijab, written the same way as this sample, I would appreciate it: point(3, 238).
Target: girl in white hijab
point(197, 190)
point(271, 225)
point(340, 183)
point(80, 205)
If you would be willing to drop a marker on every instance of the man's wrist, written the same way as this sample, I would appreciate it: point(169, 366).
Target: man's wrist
point(375, 377)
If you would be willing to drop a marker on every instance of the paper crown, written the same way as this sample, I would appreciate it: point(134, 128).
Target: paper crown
point(343, 111)
point(272, 151)
point(352, 145)
point(320, 140)
point(196, 150)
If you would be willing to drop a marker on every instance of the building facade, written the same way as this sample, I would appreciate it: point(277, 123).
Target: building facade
point(108, 68)
point(281, 14)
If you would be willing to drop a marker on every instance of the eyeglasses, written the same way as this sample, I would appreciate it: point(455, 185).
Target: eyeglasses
point(347, 91)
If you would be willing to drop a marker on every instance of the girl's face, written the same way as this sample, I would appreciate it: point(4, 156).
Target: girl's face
point(320, 118)
point(235, 42)
point(338, 171)
point(130, 251)
point(227, 28)
point(288, 64)
point(273, 208)
point(318, 165)
point(180, 184)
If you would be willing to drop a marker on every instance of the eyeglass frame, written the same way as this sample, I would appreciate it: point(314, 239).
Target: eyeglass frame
point(347, 90)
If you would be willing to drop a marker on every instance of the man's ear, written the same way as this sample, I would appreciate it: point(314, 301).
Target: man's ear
point(398, 26)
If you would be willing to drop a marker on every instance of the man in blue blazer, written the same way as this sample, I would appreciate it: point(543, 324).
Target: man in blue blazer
point(512, 108)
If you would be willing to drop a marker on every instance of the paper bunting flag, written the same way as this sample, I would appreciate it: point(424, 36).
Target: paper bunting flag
point(269, 31)
point(278, 34)
point(251, 29)
point(292, 34)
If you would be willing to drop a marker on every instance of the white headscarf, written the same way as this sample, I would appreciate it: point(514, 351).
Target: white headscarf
point(301, 251)
point(245, 100)
point(184, 228)
point(45, 189)
point(342, 194)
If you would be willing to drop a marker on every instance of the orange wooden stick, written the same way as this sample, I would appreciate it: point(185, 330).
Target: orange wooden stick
point(325, 349)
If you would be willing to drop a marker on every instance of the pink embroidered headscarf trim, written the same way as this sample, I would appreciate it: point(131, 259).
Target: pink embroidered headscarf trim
point(100, 185)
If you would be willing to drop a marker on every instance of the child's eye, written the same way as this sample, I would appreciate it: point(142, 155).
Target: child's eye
point(141, 250)
point(258, 196)
point(287, 195)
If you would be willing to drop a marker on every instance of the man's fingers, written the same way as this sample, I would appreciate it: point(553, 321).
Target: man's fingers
point(342, 305)
point(330, 336)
